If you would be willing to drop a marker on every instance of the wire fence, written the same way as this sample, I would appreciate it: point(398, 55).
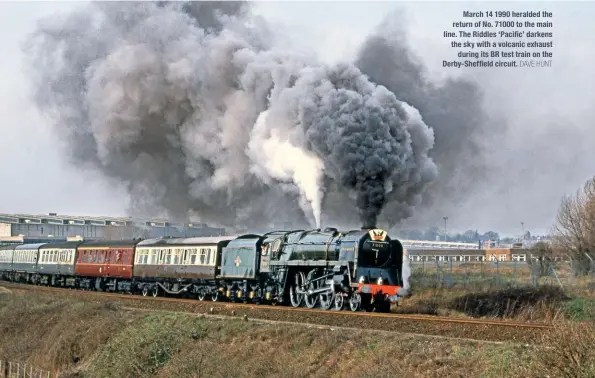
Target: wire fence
point(487, 275)
point(11, 369)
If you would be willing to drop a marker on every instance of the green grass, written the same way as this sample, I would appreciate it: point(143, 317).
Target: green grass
point(580, 309)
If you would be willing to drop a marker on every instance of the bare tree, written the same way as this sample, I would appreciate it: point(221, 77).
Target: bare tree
point(542, 255)
point(574, 231)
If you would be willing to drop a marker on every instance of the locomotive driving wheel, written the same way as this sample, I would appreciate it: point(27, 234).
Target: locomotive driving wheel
point(295, 298)
point(155, 291)
point(201, 296)
point(326, 300)
point(311, 299)
point(145, 290)
point(339, 302)
point(355, 302)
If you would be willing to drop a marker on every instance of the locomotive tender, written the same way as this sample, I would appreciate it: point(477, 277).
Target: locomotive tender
point(318, 268)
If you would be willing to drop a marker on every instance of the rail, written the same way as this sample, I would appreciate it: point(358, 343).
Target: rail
point(260, 307)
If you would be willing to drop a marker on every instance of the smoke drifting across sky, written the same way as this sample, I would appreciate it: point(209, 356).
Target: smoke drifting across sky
point(507, 143)
point(194, 108)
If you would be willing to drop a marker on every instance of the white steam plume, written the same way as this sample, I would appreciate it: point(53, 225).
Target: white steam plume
point(278, 158)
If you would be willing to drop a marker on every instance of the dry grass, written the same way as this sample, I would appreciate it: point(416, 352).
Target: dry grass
point(52, 333)
point(97, 339)
point(571, 353)
point(86, 338)
point(545, 303)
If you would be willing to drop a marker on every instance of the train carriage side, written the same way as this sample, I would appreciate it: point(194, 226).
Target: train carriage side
point(6, 253)
point(105, 264)
point(56, 263)
point(24, 262)
point(179, 265)
point(57, 258)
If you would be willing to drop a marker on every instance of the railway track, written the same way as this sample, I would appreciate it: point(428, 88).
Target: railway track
point(490, 330)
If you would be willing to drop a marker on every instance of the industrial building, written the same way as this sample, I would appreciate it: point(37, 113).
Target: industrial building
point(470, 255)
point(27, 228)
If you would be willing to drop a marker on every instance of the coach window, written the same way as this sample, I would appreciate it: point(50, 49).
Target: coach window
point(203, 254)
point(209, 250)
point(192, 256)
point(168, 257)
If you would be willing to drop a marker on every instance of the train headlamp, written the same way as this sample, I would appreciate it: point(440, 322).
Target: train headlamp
point(380, 281)
point(362, 279)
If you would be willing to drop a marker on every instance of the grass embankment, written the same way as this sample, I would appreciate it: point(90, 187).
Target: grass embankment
point(480, 290)
point(100, 339)
point(521, 304)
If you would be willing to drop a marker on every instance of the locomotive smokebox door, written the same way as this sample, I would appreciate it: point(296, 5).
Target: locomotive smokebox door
point(240, 257)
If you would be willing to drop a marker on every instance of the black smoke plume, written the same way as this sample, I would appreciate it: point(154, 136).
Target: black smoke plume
point(202, 116)
point(453, 109)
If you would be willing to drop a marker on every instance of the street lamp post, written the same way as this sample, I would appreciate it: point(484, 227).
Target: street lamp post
point(523, 230)
point(445, 219)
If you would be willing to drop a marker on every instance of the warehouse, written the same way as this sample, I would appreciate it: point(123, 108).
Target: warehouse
point(27, 228)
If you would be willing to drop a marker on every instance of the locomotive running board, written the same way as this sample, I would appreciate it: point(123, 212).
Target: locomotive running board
point(306, 263)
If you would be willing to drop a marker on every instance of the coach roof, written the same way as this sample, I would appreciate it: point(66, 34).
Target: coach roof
point(109, 243)
point(184, 241)
point(61, 245)
point(28, 246)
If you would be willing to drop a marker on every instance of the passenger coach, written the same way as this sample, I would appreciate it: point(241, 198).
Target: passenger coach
point(56, 263)
point(177, 266)
point(105, 264)
point(24, 262)
point(6, 261)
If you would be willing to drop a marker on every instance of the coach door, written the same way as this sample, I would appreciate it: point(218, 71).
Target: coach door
point(106, 259)
point(116, 262)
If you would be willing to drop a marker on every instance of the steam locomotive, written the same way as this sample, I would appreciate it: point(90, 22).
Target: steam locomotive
point(360, 269)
